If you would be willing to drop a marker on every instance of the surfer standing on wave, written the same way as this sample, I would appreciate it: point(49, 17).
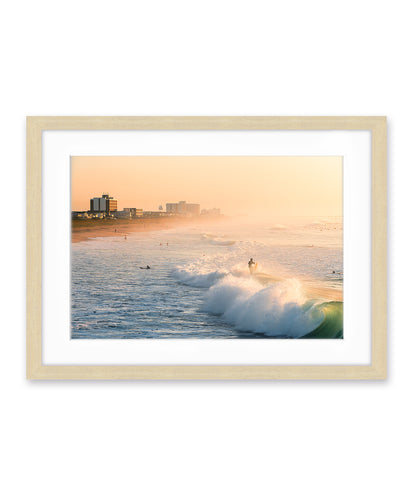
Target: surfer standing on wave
point(252, 265)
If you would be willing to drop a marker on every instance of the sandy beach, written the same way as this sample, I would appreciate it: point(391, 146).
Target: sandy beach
point(85, 229)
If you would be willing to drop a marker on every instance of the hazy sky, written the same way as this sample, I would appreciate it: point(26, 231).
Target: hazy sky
point(238, 184)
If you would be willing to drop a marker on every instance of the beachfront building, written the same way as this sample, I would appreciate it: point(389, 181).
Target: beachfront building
point(171, 207)
point(183, 208)
point(98, 205)
point(134, 212)
point(128, 213)
point(105, 204)
point(154, 214)
point(80, 214)
point(111, 203)
point(211, 211)
point(121, 214)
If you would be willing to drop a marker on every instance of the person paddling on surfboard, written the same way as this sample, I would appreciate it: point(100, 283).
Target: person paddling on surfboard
point(252, 265)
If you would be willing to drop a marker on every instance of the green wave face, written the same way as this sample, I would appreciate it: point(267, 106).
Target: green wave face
point(332, 325)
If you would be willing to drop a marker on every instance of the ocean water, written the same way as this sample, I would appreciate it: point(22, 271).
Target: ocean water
point(199, 284)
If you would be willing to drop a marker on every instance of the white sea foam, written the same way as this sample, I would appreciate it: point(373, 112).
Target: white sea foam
point(222, 242)
point(280, 309)
point(192, 277)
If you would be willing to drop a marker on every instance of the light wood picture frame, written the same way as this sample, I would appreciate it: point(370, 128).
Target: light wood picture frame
point(36, 370)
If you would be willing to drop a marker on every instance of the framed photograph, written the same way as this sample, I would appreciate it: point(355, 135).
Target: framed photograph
point(206, 247)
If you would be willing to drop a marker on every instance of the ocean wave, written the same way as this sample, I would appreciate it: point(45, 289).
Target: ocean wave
point(218, 240)
point(197, 279)
point(262, 303)
point(222, 242)
point(325, 224)
point(281, 309)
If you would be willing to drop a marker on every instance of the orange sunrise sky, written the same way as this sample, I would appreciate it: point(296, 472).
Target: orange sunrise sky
point(287, 186)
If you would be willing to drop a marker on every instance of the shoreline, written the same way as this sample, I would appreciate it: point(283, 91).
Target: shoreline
point(82, 230)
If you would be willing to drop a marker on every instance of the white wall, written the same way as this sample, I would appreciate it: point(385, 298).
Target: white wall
point(153, 440)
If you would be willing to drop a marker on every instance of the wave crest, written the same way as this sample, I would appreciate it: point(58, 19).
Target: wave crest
point(192, 277)
point(278, 310)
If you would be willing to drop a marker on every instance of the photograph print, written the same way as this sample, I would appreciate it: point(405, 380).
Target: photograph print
point(207, 247)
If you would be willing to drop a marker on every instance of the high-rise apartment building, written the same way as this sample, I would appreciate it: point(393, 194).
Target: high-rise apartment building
point(183, 208)
point(104, 204)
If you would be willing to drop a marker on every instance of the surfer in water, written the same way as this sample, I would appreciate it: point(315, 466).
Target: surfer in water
point(145, 268)
point(252, 265)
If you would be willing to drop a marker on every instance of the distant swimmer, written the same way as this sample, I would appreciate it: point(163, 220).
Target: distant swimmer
point(252, 265)
point(145, 268)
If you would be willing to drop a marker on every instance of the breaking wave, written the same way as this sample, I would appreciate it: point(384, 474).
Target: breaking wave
point(277, 308)
point(218, 241)
point(193, 278)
